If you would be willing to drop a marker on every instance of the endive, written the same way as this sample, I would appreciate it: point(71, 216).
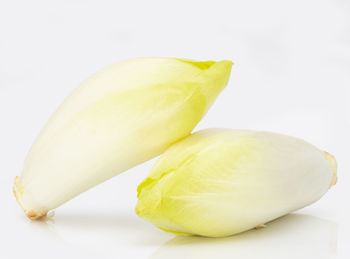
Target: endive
point(122, 116)
point(221, 182)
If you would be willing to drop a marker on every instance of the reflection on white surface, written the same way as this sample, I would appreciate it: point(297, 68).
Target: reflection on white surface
point(44, 239)
point(100, 235)
point(293, 236)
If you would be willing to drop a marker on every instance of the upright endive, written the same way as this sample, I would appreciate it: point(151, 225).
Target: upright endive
point(122, 116)
point(220, 182)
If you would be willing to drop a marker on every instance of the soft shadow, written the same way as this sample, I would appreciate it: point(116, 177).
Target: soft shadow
point(45, 235)
point(111, 227)
point(292, 236)
point(106, 235)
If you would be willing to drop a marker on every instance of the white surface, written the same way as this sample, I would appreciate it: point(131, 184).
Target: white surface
point(292, 75)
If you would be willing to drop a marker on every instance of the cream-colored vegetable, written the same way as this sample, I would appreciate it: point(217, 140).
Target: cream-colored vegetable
point(122, 116)
point(220, 182)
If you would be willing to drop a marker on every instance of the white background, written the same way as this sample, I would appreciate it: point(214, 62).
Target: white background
point(291, 75)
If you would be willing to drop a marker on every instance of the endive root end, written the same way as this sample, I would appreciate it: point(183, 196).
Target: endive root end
point(334, 165)
point(18, 192)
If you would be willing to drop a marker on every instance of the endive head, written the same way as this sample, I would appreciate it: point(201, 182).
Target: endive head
point(121, 116)
point(221, 182)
